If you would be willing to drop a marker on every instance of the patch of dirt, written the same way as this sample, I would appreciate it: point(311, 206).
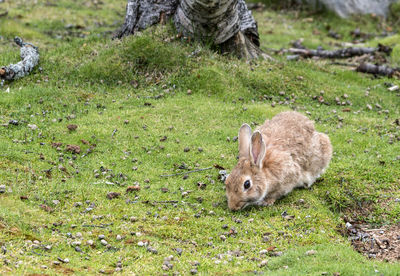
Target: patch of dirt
point(382, 243)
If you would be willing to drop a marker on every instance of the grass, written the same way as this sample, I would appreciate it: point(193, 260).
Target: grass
point(124, 96)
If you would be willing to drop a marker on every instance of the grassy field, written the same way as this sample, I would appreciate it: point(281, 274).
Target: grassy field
point(150, 105)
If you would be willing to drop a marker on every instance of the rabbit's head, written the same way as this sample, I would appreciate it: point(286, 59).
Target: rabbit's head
point(247, 183)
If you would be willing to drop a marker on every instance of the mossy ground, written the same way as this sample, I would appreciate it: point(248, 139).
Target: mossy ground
point(124, 96)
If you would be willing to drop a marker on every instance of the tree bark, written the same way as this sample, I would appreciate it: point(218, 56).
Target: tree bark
point(29, 59)
point(227, 24)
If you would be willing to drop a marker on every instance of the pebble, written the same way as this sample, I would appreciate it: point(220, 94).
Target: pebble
point(311, 252)
point(152, 250)
point(32, 126)
point(77, 204)
point(56, 263)
point(78, 235)
point(222, 237)
point(78, 249)
point(133, 219)
point(179, 251)
point(141, 244)
point(263, 263)
point(193, 271)
point(119, 237)
point(102, 237)
point(90, 242)
point(103, 242)
point(369, 107)
point(2, 189)
point(263, 252)
point(74, 243)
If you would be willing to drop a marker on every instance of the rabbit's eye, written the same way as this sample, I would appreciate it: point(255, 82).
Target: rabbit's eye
point(246, 184)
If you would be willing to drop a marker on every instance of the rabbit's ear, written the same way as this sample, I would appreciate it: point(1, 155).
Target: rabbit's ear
point(257, 149)
point(244, 140)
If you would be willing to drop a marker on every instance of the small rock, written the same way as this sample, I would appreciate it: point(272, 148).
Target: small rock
point(13, 122)
point(133, 219)
point(32, 126)
point(90, 242)
point(104, 242)
point(152, 250)
point(193, 271)
point(56, 202)
point(222, 237)
point(263, 263)
point(119, 237)
point(200, 149)
point(74, 243)
point(187, 149)
point(369, 107)
point(179, 251)
point(2, 189)
point(311, 252)
point(101, 237)
point(77, 204)
point(56, 263)
point(78, 249)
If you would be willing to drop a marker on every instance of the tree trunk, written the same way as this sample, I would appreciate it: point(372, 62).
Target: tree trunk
point(227, 24)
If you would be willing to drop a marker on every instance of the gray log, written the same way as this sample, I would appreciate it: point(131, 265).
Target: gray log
point(29, 59)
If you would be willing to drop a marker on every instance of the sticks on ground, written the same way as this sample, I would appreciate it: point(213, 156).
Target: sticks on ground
point(340, 53)
point(29, 59)
point(381, 70)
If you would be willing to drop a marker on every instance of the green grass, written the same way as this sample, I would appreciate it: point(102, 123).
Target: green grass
point(94, 82)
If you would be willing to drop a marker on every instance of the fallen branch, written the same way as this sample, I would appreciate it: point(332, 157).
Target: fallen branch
point(340, 53)
point(175, 174)
point(377, 69)
point(30, 58)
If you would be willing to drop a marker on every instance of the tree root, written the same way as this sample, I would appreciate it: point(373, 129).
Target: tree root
point(243, 48)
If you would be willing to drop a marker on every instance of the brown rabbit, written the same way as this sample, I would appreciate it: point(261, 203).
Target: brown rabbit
point(284, 153)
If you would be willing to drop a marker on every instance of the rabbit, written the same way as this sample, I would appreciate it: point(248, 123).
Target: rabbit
point(284, 153)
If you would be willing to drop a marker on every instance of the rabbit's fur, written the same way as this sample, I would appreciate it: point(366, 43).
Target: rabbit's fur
point(284, 153)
